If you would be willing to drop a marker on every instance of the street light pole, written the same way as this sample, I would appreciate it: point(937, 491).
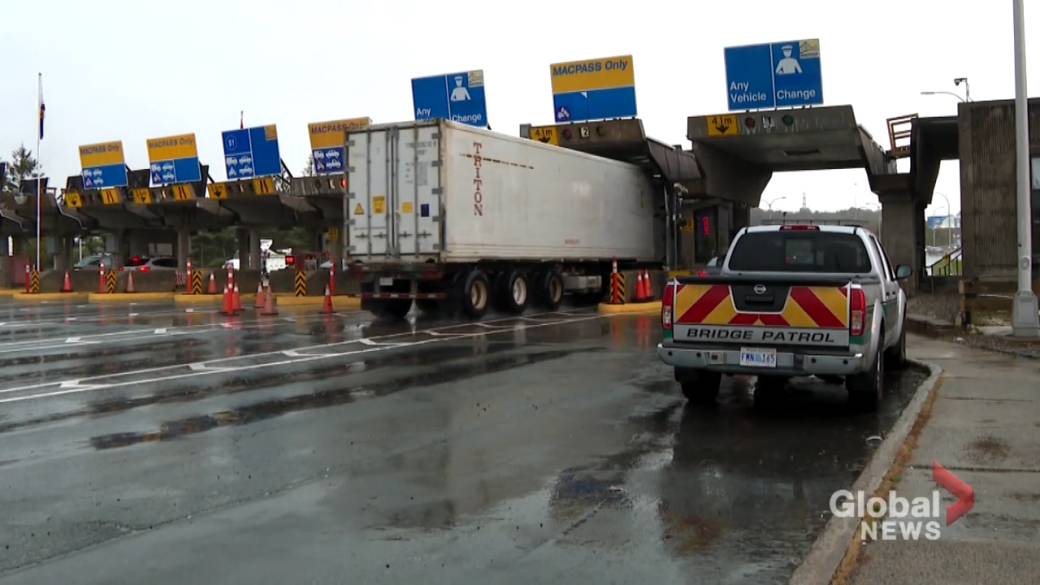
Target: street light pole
point(769, 204)
point(967, 89)
point(1024, 319)
point(959, 98)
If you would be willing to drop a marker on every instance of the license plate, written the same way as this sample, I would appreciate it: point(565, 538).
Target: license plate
point(758, 358)
point(386, 281)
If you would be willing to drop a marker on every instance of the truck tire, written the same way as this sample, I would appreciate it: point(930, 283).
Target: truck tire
point(514, 291)
point(867, 388)
point(550, 289)
point(474, 293)
point(699, 386)
point(895, 356)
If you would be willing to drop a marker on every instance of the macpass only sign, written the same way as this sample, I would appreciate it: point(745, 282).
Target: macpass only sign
point(774, 75)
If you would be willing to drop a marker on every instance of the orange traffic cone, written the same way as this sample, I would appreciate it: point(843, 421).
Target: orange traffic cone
point(327, 306)
point(270, 303)
point(228, 307)
point(212, 289)
point(236, 299)
point(28, 279)
point(66, 286)
point(648, 288)
point(259, 304)
point(101, 278)
point(130, 288)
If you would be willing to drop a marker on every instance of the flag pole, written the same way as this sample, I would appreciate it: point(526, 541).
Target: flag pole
point(39, 167)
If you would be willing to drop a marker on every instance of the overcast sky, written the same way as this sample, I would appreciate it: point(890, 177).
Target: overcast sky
point(131, 70)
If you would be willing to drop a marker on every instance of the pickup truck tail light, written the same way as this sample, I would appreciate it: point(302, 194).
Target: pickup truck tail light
point(667, 302)
point(858, 311)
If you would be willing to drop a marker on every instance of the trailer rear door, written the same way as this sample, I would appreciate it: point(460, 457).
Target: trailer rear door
point(395, 193)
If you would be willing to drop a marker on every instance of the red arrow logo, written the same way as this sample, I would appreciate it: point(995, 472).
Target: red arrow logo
point(965, 493)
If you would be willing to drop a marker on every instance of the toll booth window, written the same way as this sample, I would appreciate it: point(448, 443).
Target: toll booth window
point(704, 239)
point(807, 252)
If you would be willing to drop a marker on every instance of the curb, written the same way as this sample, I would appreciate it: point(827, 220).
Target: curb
point(129, 297)
point(630, 308)
point(828, 550)
point(338, 301)
point(206, 299)
point(9, 292)
point(929, 327)
point(47, 297)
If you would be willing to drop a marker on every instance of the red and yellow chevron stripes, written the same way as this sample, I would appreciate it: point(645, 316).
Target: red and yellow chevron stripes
point(807, 307)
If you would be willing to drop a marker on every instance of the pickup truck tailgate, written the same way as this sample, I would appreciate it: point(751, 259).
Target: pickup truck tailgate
point(769, 313)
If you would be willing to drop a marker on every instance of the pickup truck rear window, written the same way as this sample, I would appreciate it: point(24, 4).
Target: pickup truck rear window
point(800, 252)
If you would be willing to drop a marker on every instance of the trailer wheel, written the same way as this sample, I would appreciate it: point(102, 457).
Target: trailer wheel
point(474, 293)
point(550, 289)
point(515, 291)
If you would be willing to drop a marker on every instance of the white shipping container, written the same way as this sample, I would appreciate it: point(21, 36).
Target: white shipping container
point(450, 193)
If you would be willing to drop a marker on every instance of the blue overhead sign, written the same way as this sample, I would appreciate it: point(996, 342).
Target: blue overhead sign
point(596, 89)
point(105, 177)
point(457, 96)
point(174, 159)
point(774, 75)
point(252, 152)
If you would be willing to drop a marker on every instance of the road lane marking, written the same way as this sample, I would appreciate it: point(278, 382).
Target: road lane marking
point(210, 367)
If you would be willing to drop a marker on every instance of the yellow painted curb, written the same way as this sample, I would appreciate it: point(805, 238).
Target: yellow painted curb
point(129, 297)
point(9, 292)
point(338, 301)
point(204, 299)
point(630, 308)
point(55, 296)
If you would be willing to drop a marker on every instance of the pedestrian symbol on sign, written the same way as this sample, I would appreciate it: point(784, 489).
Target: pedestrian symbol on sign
point(460, 93)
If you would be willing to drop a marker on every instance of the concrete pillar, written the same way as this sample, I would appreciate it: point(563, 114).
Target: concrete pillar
point(62, 253)
point(902, 233)
point(183, 247)
point(254, 249)
point(138, 243)
point(5, 264)
point(114, 246)
point(242, 235)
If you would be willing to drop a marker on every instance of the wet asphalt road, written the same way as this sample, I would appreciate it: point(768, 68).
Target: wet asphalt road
point(149, 444)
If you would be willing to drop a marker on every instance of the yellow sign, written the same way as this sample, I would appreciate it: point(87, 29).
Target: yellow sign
point(592, 74)
point(142, 196)
point(263, 186)
point(407, 207)
point(333, 234)
point(333, 133)
point(172, 148)
point(101, 155)
point(545, 134)
point(379, 204)
point(73, 199)
point(358, 210)
point(271, 132)
point(218, 191)
point(183, 192)
point(111, 197)
point(727, 125)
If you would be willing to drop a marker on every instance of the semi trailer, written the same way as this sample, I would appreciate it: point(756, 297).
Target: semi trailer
point(448, 214)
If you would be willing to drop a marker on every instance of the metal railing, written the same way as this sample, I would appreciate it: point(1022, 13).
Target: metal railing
point(951, 264)
point(899, 130)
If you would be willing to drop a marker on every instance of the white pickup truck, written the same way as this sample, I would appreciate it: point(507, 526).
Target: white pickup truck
point(790, 300)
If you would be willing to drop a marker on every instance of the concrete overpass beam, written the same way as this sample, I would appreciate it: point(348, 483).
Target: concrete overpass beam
point(254, 249)
point(728, 177)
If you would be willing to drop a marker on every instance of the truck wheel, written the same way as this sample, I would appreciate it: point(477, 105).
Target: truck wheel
point(699, 386)
point(514, 291)
point(895, 356)
point(867, 388)
point(550, 289)
point(474, 293)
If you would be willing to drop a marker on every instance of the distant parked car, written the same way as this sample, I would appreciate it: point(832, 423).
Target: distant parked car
point(156, 263)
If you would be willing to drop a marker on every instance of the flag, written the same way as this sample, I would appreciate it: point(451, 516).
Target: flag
point(43, 108)
point(241, 119)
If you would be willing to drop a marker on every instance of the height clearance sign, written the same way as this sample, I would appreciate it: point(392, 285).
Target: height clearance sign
point(774, 75)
